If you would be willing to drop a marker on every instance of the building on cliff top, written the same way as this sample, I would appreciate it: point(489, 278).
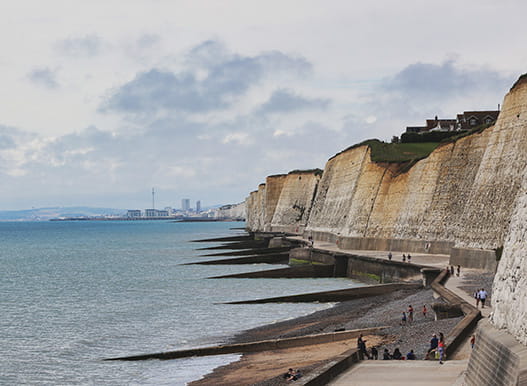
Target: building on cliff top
point(465, 121)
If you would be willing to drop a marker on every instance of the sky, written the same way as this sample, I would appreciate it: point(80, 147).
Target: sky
point(101, 101)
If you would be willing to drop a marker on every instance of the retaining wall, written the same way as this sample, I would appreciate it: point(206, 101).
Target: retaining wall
point(497, 359)
point(461, 330)
point(474, 258)
point(384, 271)
point(400, 245)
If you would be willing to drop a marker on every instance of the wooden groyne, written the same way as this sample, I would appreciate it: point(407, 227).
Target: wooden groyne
point(296, 271)
point(224, 239)
point(278, 258)
point(337, 295)
point(250, 252)
point(251, 244)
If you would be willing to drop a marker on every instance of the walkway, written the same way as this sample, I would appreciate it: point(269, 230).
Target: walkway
point(405, 373)
point(437, 260)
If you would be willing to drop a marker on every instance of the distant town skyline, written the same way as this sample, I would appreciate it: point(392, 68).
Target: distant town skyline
point(102, 100)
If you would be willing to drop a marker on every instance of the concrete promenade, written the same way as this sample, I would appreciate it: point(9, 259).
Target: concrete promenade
point(437, 261)
point(403, 373)
point(417, 372)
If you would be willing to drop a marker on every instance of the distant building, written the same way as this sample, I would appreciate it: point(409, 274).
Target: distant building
point(133, 213)
point(150, 212)
point(185, 204)
point(156, 213)
point(198, 206)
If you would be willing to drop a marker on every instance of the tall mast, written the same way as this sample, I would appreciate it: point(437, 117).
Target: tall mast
point(153, 201)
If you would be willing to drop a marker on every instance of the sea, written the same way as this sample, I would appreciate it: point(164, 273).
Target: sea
point(76, 292)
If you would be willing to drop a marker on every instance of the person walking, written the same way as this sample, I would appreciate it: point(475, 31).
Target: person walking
point(403, 319)
point(482, 297)
point(441, 347)
point(390, 255)
point(458, 270)
point(425, 310)
point(410, 314)
point(409, 257)
point(476, 296)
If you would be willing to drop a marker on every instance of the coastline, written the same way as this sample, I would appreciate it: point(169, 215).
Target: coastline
point(354, 314)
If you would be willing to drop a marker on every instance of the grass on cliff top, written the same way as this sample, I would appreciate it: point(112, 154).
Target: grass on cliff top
point(399, 152)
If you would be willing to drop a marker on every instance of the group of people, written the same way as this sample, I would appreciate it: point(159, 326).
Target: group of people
point(405, 257)
point(408, 315)
point(374, 353)
point(397, 355)
point(292, 375)
point(480, 296)
point(453, 270)
point(437, 348)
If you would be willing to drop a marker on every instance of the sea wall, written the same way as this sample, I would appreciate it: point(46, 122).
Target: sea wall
point(497, 359)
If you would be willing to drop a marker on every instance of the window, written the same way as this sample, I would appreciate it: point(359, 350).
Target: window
point(473, 121)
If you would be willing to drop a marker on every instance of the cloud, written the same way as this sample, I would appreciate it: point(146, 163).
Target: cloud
point(6, 138)
point(85, 46)
point(223, 78)
point(147, 41)
point(43, 77)
point(283, 101)
point(442, 81)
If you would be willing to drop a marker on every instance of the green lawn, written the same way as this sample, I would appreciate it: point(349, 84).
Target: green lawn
point(399, 152)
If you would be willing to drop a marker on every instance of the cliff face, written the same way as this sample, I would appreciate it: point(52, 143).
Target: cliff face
point(360, 198)
point(255, 208)
point(283, 203)
point(463, 192)
point(233, 211)
point(510, 284)
point(295, 201)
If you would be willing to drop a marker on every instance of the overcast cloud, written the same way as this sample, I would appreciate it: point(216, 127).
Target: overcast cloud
point(98, 108)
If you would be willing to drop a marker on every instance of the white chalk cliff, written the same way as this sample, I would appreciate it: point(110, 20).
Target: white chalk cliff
point(471, 192)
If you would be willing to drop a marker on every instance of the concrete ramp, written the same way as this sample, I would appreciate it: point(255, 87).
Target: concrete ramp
point(403, 373)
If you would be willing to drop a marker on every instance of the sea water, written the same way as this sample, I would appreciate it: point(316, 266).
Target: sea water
point(74, 293)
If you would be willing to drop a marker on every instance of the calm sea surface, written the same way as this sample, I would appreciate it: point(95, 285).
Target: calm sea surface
point(73, 293)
